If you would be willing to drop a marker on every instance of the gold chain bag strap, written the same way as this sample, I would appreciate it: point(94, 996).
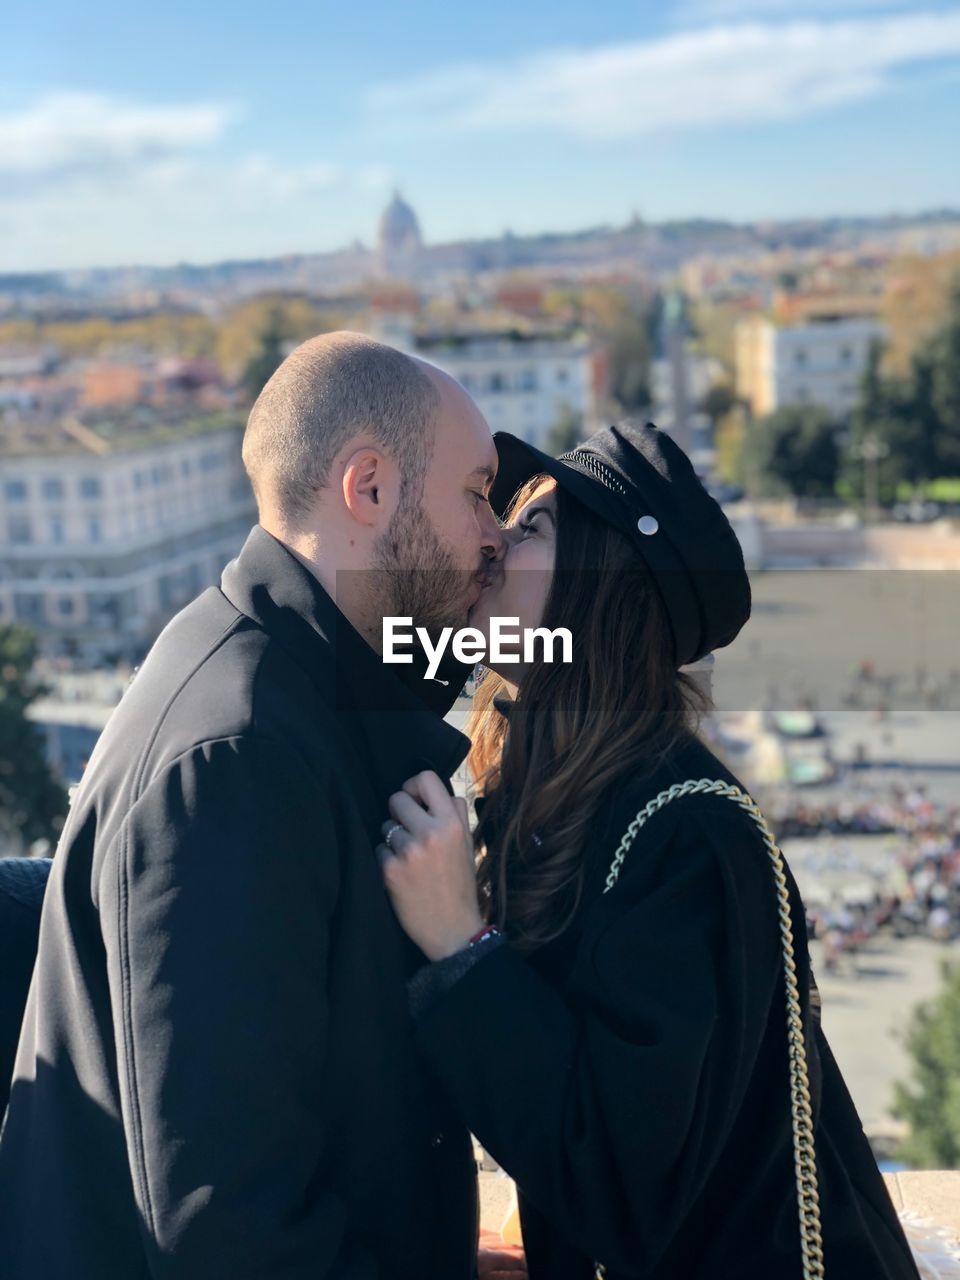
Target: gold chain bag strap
point(808, 1199)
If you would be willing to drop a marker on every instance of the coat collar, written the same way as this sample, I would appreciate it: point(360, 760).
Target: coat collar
point(396, 714)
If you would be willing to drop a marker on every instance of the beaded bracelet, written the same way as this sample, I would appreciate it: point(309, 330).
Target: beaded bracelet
point(488, 931)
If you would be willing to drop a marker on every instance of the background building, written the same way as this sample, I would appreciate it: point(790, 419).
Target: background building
point(819, 361)
point(525, 381)
point(399, 242)
point(523, 385)
point(106, 533)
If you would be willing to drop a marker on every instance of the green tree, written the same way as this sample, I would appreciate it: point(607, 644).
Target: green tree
point(718, 401)
point(564, 433)
point(33, 803)
point(915, 415)
point(797, 451)
point(629, 354)
point(943, 351)
point(262, 366)
point(930, 1100)
point(730, 442)
point(912, 428)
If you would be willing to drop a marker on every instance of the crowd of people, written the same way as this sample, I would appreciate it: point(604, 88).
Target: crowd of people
point(915, 891)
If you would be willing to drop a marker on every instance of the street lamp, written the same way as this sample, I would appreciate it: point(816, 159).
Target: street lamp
point(871, 449)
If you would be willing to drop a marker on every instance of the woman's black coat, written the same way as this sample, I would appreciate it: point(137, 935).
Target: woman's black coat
point(632, 1076)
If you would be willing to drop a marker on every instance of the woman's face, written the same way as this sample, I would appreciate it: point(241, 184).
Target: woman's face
point(523, 577)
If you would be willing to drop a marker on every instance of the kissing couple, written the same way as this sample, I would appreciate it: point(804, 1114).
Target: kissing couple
point(282, 977)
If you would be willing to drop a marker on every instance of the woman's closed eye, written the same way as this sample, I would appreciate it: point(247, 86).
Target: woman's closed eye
point(529, 521)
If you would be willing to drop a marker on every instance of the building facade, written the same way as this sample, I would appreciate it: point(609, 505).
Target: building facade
point(525, 387)
point(524, 383)
point(101, 544)
point(818, 363)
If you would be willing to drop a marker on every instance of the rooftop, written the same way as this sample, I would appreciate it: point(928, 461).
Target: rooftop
point(101, 437)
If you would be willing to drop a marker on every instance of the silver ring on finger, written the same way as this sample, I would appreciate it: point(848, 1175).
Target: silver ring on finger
point(388, 838)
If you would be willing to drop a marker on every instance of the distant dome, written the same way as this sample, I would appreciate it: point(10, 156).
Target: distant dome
point(399, 228)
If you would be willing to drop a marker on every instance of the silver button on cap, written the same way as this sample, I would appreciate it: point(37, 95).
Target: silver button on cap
point(648, 524)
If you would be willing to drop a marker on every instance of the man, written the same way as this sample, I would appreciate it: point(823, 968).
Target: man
point(22, 882)
point(216, 1075)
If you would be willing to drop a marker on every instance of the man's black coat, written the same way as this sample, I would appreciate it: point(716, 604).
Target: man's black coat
point(22, 883)
point(217, 1075)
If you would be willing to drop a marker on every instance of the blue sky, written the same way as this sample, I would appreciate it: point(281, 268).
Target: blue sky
point(205, 131)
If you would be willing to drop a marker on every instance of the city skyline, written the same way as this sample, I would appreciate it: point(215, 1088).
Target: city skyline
point(154, 139)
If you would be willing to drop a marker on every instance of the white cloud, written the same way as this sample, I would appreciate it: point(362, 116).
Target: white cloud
point(751, 72)
point(75, 131)
point(705, 11)
point(138, 185)
point(258, 174)
point(375, 177)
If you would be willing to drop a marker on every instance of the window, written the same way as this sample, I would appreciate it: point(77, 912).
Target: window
point(846, 355)
point(168, 590)
point(28, 607)
point(65, 606)
point(800, 357)
point(561, 375)
point(15, 490)
point(185, 467)
point(90, 487)
point(52, 488)
point(93, 529)
point(19, 530)
point(528, 380)
point(56, 529)
point(496, 382)
point(138, 479)
point(102, 609)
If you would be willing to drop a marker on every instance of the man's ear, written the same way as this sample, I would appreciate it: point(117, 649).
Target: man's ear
point(366, 485)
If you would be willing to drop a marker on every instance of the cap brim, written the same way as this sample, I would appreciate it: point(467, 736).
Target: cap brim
point(519, 462)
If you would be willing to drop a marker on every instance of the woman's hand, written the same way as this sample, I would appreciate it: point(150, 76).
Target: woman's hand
point(428, 866)
point(499, 1261)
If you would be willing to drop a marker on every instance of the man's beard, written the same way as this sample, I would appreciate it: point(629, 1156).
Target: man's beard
point(435, 595)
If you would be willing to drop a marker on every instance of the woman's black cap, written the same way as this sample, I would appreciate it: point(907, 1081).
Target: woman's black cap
point(638, 479)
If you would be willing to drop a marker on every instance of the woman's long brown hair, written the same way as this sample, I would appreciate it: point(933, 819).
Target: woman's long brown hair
point(575, 729)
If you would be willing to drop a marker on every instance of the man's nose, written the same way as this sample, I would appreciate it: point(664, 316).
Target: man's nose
point(494, 542)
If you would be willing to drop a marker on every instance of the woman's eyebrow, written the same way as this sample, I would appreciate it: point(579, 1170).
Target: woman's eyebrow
point(535, 511)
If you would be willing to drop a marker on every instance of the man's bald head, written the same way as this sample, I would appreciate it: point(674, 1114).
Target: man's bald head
point(330, 389)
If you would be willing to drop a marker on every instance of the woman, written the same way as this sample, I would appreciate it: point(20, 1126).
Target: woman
point(623, 1054)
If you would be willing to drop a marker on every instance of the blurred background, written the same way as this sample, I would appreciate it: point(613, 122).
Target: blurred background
point(737, 218)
